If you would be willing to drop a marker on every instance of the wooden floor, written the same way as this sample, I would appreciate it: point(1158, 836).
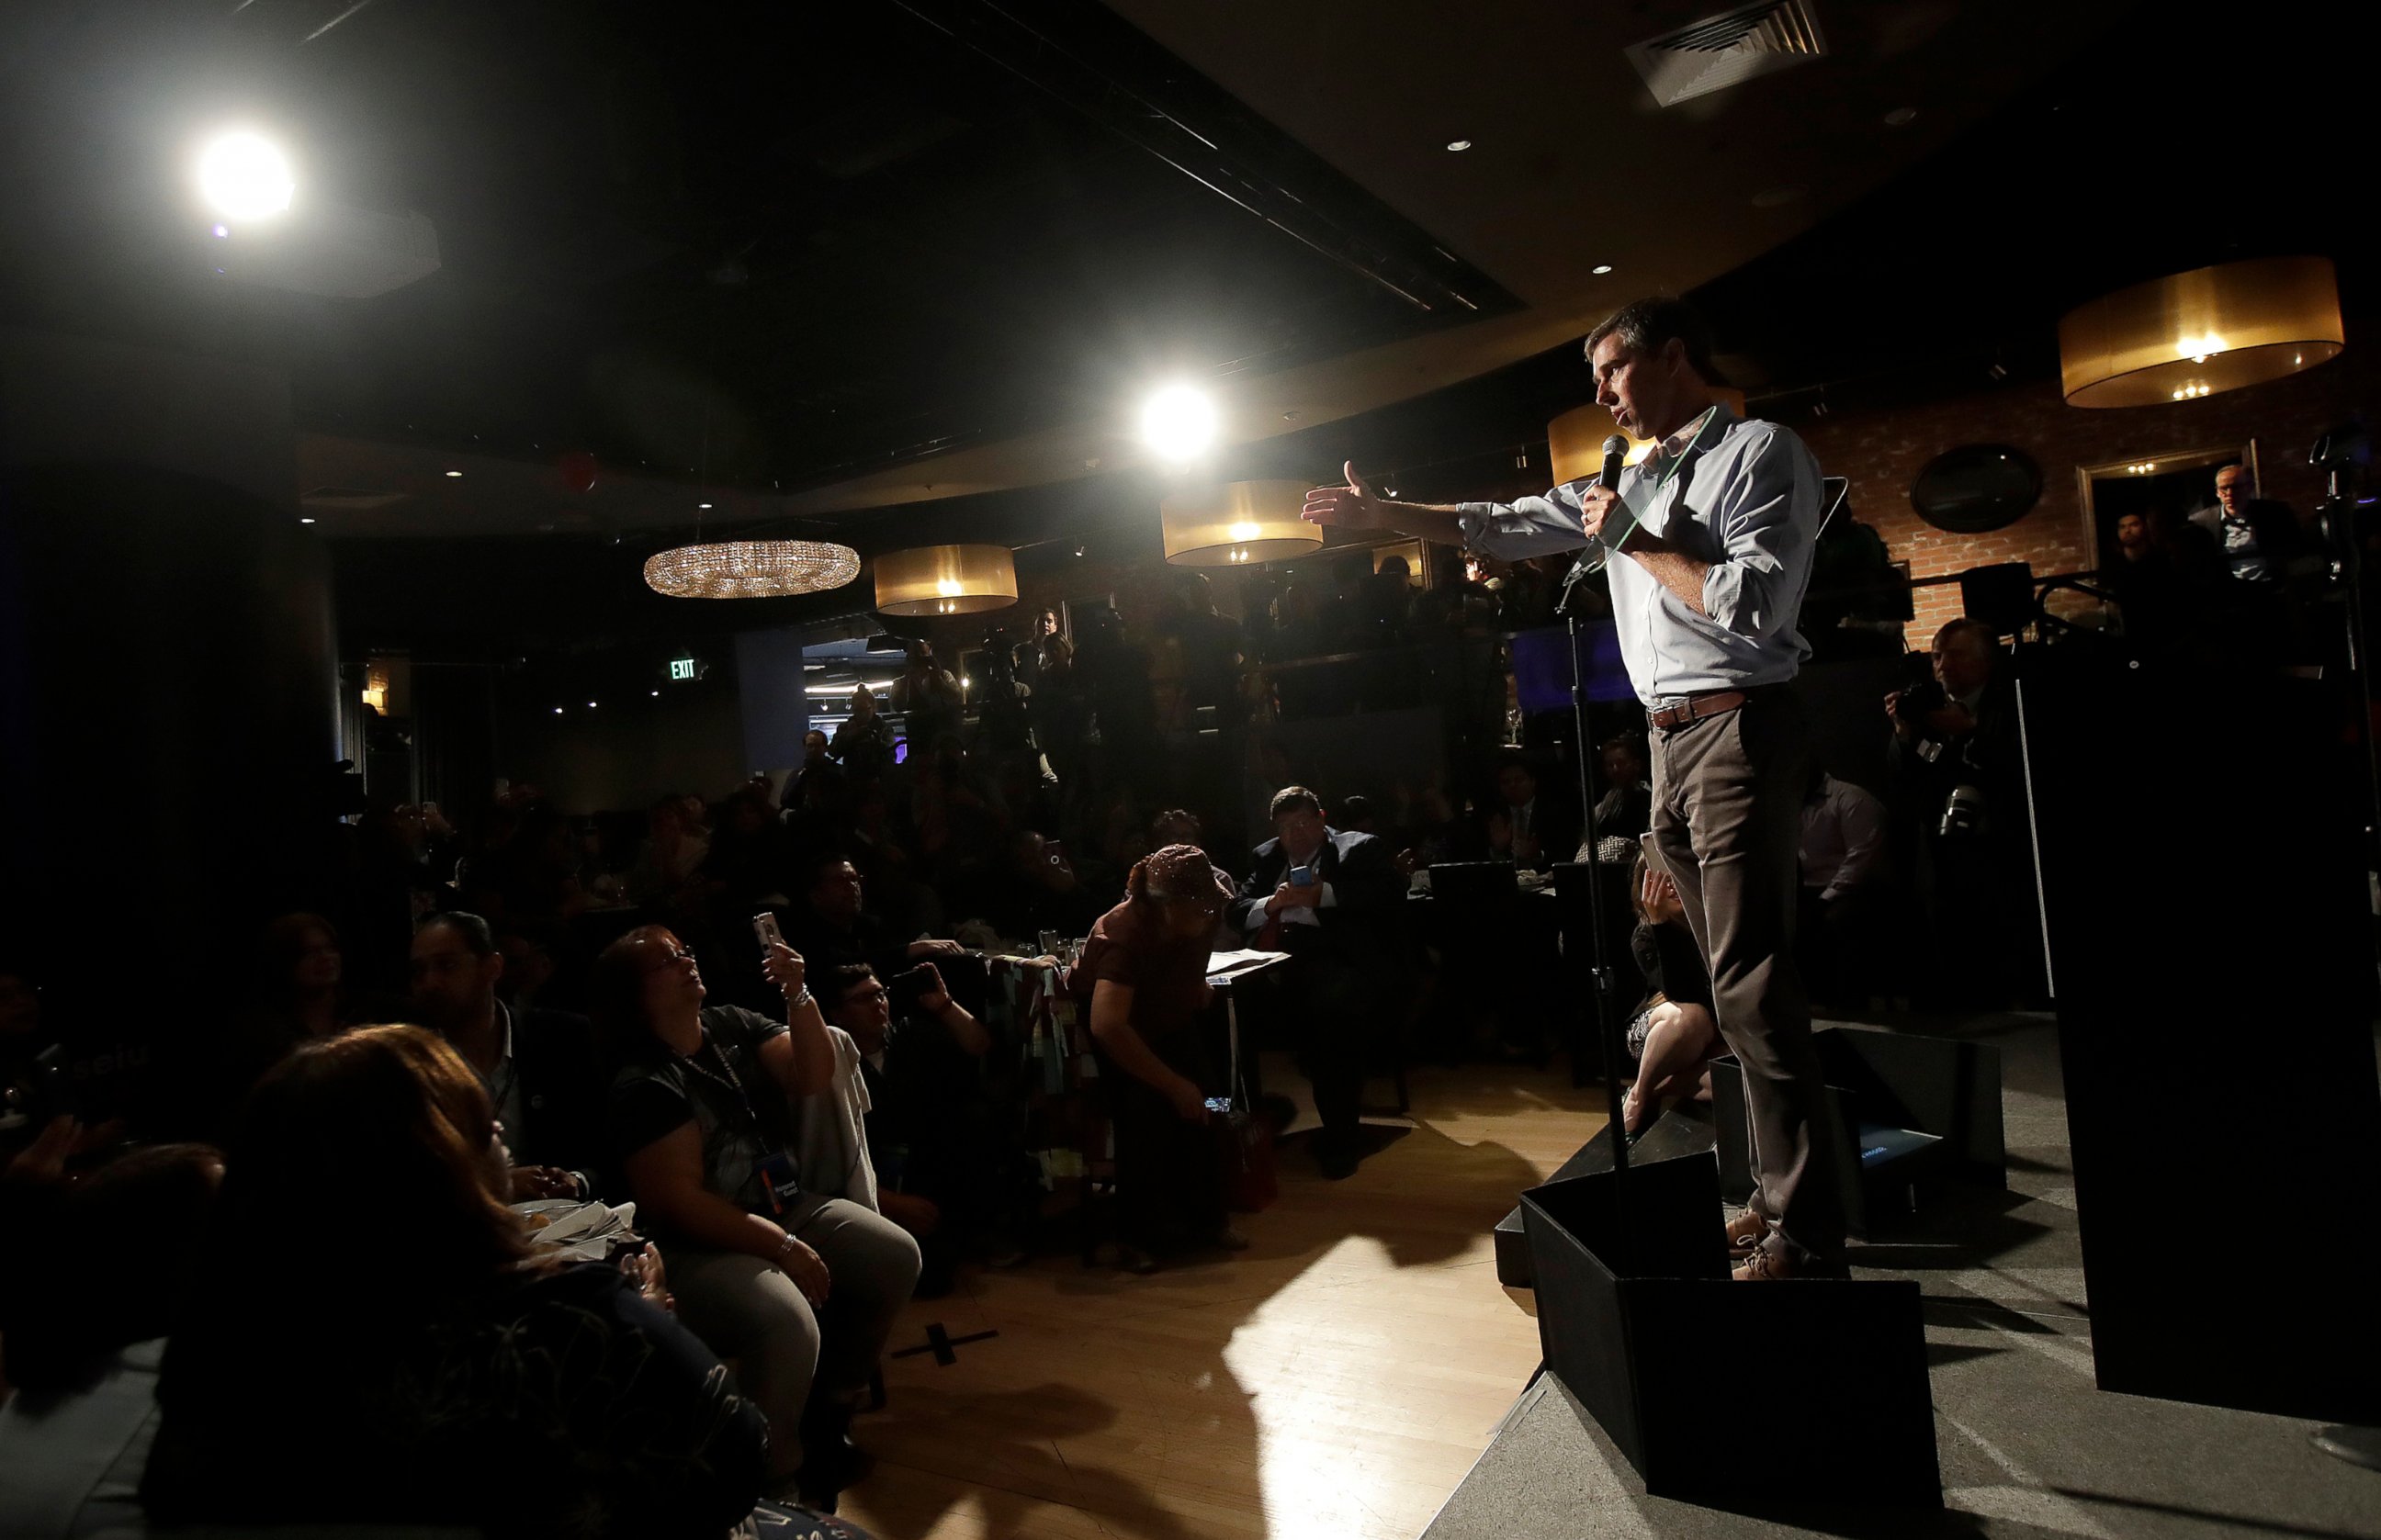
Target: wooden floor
point(1337, 1379)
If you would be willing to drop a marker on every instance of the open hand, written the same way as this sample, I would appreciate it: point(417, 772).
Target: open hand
point(1353, 506)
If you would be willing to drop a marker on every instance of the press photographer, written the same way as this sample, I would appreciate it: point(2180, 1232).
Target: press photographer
point(1959, 780)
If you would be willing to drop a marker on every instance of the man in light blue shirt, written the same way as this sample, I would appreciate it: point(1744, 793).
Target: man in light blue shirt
point(1709, 542)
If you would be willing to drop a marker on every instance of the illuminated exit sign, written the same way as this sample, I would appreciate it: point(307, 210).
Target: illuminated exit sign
point(681, 668)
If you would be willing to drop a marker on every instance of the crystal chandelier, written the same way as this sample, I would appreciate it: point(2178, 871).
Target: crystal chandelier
point(751, 569)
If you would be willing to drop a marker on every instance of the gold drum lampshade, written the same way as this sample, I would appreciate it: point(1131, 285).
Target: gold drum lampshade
point(1238, 524)
point(1577, 438)
point(2197, 333)
point(751, 569)
point(945, 580)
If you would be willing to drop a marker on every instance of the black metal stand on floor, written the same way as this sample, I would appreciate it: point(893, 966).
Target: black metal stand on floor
point(1616, 1080)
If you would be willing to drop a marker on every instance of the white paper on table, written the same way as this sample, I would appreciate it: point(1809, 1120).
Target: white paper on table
point(1223, 964)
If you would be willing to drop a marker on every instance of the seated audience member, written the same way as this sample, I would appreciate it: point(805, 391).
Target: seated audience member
point(1672, 1034)
point(1531, 831)
point(1336, 923)
point(1626, 809)
point(939, 1166)
point(1176, 826)
point(1845, 902)
point(297, 996)
point(831, 931)
point(371, 1337)
point(98, 1260)
point(798, 1288)
point(531, 963)
point(539, 1067)
point(1439, 834)
point(1144, 975)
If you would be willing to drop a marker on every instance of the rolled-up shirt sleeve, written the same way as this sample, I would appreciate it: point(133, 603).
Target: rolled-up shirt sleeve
point(1767, 523)
point(1530, 526)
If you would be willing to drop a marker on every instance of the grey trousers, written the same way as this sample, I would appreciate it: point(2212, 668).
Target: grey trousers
point(747, 1309)
point(1728, 818)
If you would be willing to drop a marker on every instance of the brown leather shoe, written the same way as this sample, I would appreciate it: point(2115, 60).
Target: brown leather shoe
point(1745, 1233)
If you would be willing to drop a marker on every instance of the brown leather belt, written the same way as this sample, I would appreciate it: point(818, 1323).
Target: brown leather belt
point(1695, 709)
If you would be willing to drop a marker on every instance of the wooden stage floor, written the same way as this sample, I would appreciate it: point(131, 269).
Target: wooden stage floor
point(1337, 1379)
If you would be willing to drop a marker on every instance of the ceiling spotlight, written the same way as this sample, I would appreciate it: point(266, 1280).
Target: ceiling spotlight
point(243, 176)
point(1458, 145)
point(703, 504)
point(455, 474)
point(1178, 422)
point(658, 695)
point(1600, 268)
point(1900, 117)
point(303, 520)
point(558, 710)
point(591, 706)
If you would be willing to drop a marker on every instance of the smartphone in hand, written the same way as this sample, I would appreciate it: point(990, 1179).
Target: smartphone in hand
point(1301, 876)
point(765, 926)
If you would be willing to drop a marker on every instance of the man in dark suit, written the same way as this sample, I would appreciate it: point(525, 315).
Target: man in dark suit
point(540, 1066)
point(1329, 898)
point(1530, 830)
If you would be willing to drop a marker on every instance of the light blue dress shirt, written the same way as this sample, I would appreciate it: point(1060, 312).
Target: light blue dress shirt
point(1744, 498)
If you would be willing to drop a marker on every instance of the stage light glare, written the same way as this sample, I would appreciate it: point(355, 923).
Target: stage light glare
point(243, 176)
point(1179, 423)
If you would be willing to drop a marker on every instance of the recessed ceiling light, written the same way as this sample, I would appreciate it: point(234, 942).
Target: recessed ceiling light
point(591, 706)
point(304, 520)
point(1289, 417)
point(558, 710)
point(454, 473)
point(658, 695)
point(1600, 268)
point(703, 504)
point(1900, 117)
point(1458, 145)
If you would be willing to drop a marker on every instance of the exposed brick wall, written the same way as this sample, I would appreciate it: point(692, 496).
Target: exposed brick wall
point(1883, 452)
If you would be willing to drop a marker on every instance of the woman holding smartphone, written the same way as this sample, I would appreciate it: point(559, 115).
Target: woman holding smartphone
point(1144, 974)
point(800, 1289)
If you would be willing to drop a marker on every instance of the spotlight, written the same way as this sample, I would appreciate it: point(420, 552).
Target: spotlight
point(302, 519)
point(591, 706)
point(558, 710)
point(243, 176)
point(456, 473)
point(703, 504)
point(1600, 268)
point(1458, 145)
point(1178, 422)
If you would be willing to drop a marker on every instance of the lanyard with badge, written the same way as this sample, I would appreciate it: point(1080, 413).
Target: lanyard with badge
point(779, 1182)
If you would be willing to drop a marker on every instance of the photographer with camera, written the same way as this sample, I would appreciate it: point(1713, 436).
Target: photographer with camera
point(1958, 774)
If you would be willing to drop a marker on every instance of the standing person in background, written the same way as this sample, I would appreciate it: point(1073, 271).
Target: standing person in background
point(1711, 539)
point(1143, 976)
point(864, 745)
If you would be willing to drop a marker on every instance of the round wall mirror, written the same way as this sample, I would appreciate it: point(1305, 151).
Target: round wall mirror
point(1976, 487)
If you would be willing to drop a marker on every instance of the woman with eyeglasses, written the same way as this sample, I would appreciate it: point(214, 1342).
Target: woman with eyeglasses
point(798, 1288)
point(1144, 975)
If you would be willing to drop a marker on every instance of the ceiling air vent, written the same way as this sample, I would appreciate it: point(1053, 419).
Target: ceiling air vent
point(1721, 51)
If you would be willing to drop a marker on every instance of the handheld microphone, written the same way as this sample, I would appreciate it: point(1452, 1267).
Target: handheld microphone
point(1615, 453)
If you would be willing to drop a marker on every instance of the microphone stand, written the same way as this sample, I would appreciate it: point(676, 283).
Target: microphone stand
point(1600, 962)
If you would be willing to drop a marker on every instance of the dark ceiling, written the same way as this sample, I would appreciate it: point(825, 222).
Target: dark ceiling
point(862, 247)
point(756, 244)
